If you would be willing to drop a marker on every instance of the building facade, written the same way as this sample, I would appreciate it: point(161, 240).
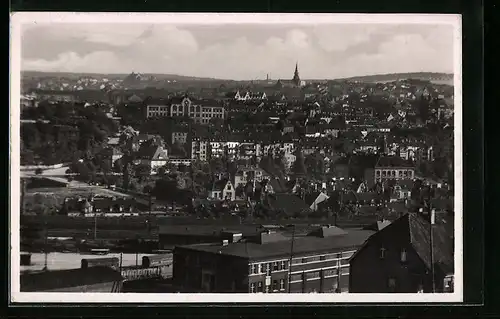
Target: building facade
point(200, 111)
point(200, 149)
point(319, 263)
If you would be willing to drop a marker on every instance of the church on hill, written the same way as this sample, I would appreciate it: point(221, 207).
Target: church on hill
point(295, 82)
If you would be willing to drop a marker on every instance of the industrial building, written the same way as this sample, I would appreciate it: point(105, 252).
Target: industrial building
point(319, 262)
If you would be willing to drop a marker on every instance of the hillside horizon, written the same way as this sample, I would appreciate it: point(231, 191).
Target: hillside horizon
point(388, 77)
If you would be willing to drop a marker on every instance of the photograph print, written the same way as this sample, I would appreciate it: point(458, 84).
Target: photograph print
point(311, 157)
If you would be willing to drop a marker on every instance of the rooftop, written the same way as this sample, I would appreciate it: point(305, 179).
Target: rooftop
point(392, 161)
point(302, 246)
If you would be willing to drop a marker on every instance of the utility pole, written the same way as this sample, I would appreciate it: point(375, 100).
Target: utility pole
point(95, 225)
point(431, 242)
point(45, 267)
point(291, 259)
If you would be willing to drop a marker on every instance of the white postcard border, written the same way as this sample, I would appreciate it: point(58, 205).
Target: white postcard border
point(25, 19)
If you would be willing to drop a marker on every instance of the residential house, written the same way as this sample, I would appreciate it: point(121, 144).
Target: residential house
point(223, 189)
point(152, 156)
point(112, 154)
point(400, 259)
point(402, 190)
point(246, 174)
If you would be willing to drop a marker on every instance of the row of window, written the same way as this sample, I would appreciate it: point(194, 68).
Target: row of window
point(266, 268)
point(325, 273)
point(306, 260)
point(275, 287)
point(393, 173)
point(262, 268)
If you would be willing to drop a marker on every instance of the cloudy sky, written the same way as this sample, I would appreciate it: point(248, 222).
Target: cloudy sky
point(239, 52)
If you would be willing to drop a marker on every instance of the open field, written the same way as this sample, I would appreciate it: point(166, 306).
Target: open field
point(53, 198)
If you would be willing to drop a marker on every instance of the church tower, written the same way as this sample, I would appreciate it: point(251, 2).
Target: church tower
point(296, 78)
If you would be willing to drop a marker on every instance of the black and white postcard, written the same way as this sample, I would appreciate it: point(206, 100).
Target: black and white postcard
point(236, 158)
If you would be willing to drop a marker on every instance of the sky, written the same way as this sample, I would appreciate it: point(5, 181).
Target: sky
point(238, 51)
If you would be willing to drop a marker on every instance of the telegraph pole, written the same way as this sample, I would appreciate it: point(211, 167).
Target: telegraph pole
point(291, 259)
point(95, 226)
point(45, 267)
point(431, 242)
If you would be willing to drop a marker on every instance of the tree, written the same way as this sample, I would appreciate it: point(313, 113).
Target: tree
point(142, 171)
point(298, 167)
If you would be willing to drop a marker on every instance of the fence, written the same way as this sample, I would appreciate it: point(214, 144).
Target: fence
point(147, 273)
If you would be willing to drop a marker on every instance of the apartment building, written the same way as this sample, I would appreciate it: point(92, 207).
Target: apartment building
point(318, 262)
point(199, 149)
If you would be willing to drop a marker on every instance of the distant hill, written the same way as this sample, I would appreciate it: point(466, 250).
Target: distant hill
point(440, 78)
point(71, 75)
point(444, 78)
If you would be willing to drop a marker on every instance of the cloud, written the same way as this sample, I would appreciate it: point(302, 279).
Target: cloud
point(322, 51)
point(406, 53)
point(101, 61)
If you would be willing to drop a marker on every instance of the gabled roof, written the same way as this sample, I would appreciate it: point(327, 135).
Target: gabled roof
point(148, 151)
point(417, 230)
point(60, 279)
point(392, 161)
point(220, 184)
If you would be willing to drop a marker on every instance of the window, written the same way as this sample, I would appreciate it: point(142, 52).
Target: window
point(252, 287)
point(322, 257)
point(255, 269)
point(312, 275)
point(283, 265)
point(296, 277)
point(382, 253)
point(330, 273)
point(261, 268)
point(259, 286)
point(268, 267)
point(305, 260)
point(228, 187)
point(403, 255)
point(275, 285)
point(282, 284)
point(392, 283)
point(315, 258)
point(275, 266)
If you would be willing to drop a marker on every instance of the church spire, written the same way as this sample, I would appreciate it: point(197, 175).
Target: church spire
point(296, 78)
